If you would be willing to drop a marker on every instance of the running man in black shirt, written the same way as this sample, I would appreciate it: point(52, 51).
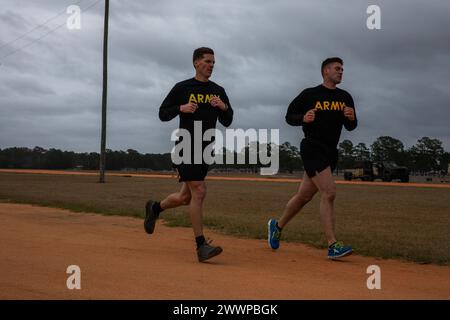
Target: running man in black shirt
point(202, 101)
point(321, 111)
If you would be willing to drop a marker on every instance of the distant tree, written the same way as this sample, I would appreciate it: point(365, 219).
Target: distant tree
point(427, 154)
point(158, 161)
point(115, 160)
point(20, 158)
point(251, 156)
point(386, 148)
point(57, 159)
point(445, 161)
point(345, 150)
point(3, 159)
point(290, 158)
point(92, 161)
point(133, 158)
point(38, 156)
point(361, 152)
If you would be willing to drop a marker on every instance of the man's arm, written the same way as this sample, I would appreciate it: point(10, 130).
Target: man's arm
point(350, 120)
point(169, 108)
point(226, 116)
point(295, 112)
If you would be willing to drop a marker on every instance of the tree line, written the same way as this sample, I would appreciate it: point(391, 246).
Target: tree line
point(425, 156)
point(40, 158)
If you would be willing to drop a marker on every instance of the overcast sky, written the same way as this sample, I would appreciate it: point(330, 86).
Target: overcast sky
point(267, 51)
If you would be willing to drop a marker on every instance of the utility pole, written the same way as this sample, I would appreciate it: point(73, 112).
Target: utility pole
point(104, 94)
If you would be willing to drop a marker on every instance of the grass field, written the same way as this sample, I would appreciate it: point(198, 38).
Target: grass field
point(407, 223)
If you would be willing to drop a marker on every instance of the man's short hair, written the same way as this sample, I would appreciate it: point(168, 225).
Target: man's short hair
point(327, 61)
point(199, 52)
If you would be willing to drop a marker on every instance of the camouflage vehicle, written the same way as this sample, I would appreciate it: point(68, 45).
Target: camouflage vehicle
point(370, 171)
point(445, 176)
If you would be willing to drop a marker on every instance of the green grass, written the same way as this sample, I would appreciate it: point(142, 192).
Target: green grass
point(406, 223)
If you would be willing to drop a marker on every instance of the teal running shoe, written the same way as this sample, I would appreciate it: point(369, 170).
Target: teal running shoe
point(274, 234)
point(339, 250)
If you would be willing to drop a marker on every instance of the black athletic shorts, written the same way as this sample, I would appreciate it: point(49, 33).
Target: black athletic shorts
point(317, 156)
point(192, 172)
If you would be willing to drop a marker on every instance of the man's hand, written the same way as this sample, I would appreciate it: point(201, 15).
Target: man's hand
point(188, 107)
point(309, 116)
point(349, 113)
point(217, 103)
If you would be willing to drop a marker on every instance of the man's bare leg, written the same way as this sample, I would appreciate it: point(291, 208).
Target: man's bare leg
point(181, 198)
point(325, 183)
point(205, 251)
point(305, 193)
point(198, 194)
point(153, 209)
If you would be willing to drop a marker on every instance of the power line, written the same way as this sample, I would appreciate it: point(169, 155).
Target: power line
point(32, 42)
point(46, 34)
point(35, 28)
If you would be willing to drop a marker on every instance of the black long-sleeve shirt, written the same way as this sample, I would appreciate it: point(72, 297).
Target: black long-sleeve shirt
point(329, 116)
point(192, 90)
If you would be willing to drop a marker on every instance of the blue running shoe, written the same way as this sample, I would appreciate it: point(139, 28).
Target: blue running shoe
point(339, 250)
point(274, 234)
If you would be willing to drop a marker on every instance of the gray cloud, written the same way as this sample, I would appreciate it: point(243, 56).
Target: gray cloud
point(266, 53)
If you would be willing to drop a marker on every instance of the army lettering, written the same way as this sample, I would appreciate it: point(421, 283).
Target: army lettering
point(201, 98)
point(327, 105)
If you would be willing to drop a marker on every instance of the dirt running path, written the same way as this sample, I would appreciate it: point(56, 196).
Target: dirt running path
point(119, 261)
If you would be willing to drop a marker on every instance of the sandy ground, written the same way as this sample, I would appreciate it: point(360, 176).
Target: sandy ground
point(118, 260)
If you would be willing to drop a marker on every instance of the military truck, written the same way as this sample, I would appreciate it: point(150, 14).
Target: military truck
point(370, 171)
point(445, 176)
